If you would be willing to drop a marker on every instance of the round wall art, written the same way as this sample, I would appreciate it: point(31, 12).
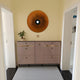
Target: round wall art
point(37, 21)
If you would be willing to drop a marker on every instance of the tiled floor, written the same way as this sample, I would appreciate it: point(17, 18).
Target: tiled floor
point(65, 74)
point(38, 73)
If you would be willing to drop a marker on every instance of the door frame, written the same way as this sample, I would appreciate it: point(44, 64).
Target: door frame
point(77, 25)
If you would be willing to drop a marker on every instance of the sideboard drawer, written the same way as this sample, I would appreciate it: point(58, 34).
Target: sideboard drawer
point(25, 53)
point(25, 44)
point(48, 52)
point(26, 59)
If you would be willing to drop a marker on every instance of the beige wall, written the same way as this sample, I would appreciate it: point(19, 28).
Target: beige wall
point(7, 4)
point(53, 9)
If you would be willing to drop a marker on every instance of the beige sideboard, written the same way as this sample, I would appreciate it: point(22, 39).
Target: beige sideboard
point(38, 52)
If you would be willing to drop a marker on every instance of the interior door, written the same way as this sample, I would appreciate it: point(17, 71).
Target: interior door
point(8, 38)
point(66, 41)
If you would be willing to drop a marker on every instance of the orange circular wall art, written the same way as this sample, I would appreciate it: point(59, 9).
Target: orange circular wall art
point(37, 21)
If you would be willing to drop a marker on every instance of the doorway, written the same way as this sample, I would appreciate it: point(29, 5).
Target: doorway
point(8, 38)
point(68, 39)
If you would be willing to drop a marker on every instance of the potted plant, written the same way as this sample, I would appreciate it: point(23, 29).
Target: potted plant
point(22, 34)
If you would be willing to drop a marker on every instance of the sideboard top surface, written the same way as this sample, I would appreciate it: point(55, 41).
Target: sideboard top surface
point(38, 41)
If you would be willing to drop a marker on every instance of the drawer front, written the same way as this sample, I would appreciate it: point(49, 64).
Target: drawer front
point(26, 59)
point(25, 44)
point(56, 48)
point(48, 52)
point(41, 50)
point(52, 60)
point(25, 53)
point(53, 56)
point(39, 53)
